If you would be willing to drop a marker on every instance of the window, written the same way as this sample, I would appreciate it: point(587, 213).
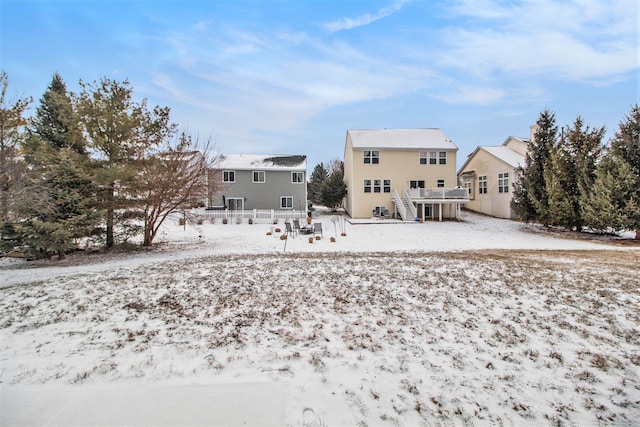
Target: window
point(416, 184)
point(433, 158)
point(297, 177)
point(371, 157)
point(367, 186)
point(387, 186)
point(443, 157)
point(228, 176)
point(286, 202)
point(482, 184)
point(376, 186)
point(258, 176)
point(503, 182)
point(423, 157)
point(441, 183)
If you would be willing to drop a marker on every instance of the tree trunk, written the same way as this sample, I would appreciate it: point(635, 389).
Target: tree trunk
point(637, 233)
point(110, 213)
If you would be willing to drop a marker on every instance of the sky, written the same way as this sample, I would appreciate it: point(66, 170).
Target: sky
point(292, 76)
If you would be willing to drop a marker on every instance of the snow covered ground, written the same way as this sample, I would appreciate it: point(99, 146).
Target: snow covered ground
point(479, 322)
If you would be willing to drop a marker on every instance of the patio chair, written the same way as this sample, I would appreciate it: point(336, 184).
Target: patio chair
point(296, 226)
point(317, 229)
point(289, 229)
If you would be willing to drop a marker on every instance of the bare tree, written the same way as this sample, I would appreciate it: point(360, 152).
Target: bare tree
point(173, 180)
point(11, 165)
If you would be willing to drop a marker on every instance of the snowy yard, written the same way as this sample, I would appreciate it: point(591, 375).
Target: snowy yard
point(482, 322)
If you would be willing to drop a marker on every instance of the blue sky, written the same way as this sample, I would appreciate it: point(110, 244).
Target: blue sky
point(291, 76)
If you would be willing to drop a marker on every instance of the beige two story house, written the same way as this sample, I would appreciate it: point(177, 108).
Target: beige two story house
point(408, 174)
point(488, 175)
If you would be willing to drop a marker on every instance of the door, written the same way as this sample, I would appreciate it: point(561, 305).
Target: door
point(235, 203)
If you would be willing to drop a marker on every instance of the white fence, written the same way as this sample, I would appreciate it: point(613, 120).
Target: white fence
point(267, 216)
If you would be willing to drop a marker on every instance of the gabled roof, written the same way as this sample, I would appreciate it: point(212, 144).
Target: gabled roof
point(517, 138)
point(507, 155)
point(400, 139)
point(263, 162)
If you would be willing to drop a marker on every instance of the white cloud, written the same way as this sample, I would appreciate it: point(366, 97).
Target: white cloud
point(586, 41)
point(366, 19)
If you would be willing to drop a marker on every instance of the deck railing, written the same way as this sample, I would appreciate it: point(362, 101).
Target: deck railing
point(412, 206)
point(399, 205)
point(438, 193)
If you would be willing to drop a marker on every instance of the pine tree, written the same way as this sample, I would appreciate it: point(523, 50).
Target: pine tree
point(626, 145)
point(612, 205)
point(572, 171)
point(316, 181)
point(532, 198)
point(120, 131)
point(59, 175)
point(333, 190)
point(561, 193)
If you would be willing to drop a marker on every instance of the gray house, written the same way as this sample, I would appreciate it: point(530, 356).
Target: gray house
point(252, 181)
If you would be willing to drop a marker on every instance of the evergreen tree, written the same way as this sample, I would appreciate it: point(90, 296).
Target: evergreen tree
point(626, 146)
point(612, 205)
point(333, 190)
point(561, 191)
point(318, 177)
point(120, 131)
point(12, 169)
point(520, 201)
point(59, 175)
point(532, 201)
point(572, 171)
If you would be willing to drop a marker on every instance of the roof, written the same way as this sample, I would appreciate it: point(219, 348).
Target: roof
point(507, 155)
point(400, 139)
point(263, 162)
point(502, 153)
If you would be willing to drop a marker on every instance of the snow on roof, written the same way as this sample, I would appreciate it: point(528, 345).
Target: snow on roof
point(400, 138)
point(263, 162)
point(507, 155)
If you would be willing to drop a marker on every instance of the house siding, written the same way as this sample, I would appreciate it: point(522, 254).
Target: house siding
point(492, 202)
point(278, 182)
point(399, 165)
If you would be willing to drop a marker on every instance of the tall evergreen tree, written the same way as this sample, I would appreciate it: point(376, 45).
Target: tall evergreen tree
point(626, 146)
point(562, 194)
point(572, 171)
point(316, 181)
point(59, 175)
point(612, 205)
point(532, 201)
point(12, 170)
point(120, 131)
point(333, 190)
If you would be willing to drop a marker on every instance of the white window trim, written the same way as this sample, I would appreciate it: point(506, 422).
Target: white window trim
point(370, 157)
point(227, 172)
point(364, 186)
point(441, 158)
point(503, 183)
point(294, 173)
point(283, 198)
point(483, 184)
point(253, 177)
point(235, 199)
